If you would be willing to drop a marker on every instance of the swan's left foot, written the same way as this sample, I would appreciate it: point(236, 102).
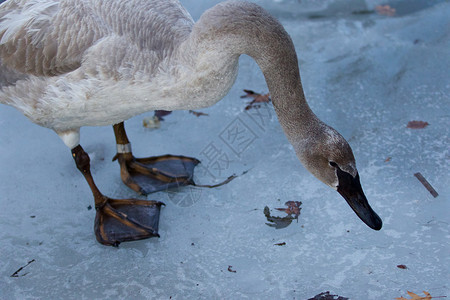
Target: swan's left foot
point(152, 174)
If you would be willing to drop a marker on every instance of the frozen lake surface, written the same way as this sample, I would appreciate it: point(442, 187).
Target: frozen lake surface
point(364, 73)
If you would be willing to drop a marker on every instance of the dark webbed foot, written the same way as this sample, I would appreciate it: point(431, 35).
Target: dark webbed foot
point(149, 175)
point(119, 221)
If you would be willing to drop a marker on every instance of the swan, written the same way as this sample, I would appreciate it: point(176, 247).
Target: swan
point(69, 63)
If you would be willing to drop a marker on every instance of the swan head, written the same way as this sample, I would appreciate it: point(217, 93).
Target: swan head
point(328, 156)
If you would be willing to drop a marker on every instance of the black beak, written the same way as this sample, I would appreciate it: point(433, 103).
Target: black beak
point(350, 188)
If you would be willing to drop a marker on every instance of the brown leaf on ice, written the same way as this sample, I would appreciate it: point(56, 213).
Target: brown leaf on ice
point(198, 113)
point(293, 208)
point(161, 113)
point(417, 124)
point(230, 270)
point(293, 211)
point(277, 222)
point(152, 122)
point(385, 10)
point(402, 267)
point(257, 98)
point(417, 297)
point(388, 159)
point(327, 296)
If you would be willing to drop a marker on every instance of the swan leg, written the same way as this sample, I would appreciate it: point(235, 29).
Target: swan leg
point(116, 220)
point(152, 174)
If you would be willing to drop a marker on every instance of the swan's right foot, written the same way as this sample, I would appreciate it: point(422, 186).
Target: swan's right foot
point(158, 173)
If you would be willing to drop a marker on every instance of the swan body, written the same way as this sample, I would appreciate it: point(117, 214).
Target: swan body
point(75, 88)
point(70, 63)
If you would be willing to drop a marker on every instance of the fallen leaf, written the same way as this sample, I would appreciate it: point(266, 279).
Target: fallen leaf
point(151, 122)
point(280, 244)
point(417, 297)
point(161, 113)
point(417, 124)
point(327, 296)
point(230, 270)
point(362, 12)
point(277, 222)
point(293, 208)
point(385, 10)
point(388, 159)
point(402, 267)
point(257, 98)
point(197, 113)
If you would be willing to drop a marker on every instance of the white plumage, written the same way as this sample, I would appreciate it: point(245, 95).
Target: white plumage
point(87, 63)
point(72, 63)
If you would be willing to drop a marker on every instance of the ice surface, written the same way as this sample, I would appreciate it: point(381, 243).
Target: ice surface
point(365, 74)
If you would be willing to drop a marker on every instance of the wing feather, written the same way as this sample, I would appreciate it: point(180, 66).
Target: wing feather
point(40, 37)
point(51, 37)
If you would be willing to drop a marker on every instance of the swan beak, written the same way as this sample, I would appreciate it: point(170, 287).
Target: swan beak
point(350, 188)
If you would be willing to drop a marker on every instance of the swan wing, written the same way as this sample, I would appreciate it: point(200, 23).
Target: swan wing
point(39, 37)
point(50, 37)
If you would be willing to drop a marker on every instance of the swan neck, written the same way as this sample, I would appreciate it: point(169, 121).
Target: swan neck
point(233, 28)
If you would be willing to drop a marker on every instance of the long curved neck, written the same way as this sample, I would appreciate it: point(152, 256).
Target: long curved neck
point(233, 28)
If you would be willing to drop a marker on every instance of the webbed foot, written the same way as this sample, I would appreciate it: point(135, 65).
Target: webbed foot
point(124, 220)
point(152, 174)
point(118, 221)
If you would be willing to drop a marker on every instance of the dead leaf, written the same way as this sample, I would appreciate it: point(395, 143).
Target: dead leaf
point(293, 208)
point(402, 267)
point(326, 296)
point(230, 270)
point(197, 113)
point(151, 122)
point(161, 113)
point(417, 297)
point(277, 222)
point(388, 159)
point(257, 98)
point(417, 124)
point(385, 10)
point(280, 244)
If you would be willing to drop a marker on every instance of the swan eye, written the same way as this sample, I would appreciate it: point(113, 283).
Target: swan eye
point(333, 164)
